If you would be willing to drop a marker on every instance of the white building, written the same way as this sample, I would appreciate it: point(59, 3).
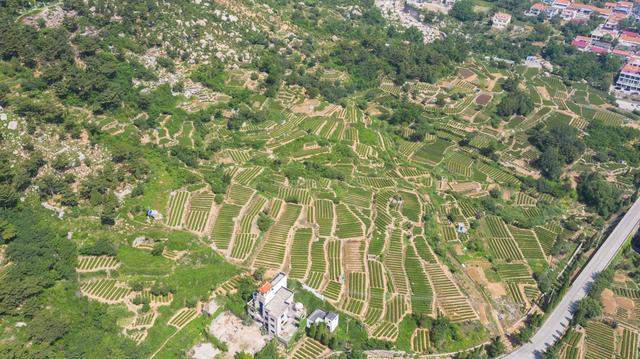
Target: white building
point(320, 316)
point(273, 307)
point(500, 20)
point(629, 79)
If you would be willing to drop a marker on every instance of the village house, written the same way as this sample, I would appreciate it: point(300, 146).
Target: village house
point(272, 306)
point(320, 316)
point(629, 80)
point(500, 20)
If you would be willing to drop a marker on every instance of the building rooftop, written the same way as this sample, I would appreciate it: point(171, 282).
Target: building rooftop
point(264, 288)
point(317, 314)
point(278, 305)
point(321, 314)
point(502, 16)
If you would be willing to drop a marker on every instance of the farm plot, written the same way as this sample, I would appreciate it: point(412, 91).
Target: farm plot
point(352, 305)
point(318, 265)
point(546, 237)
point(357, 285)
point(457, 309)
point(300, 253)
point(105, 290)
point(353, 255)
point(334, 259)
point(497, 174)
point(375, 182)
point(599, 341)
point(96, 263)
point(447, 232)
point(247, 175)
point(528, 243)
point(183, 317)
point(365, 151)
point(137, 335)
point(251, 213)
point(295, 195)
point(515, 293)
point(412, 172)
point(144, 320)
point(504, 248)
point(420, 340)
point(495, 227)
point(629, 346)
point(421, 292)
point(609, 118)
point(394, 262)
point(514, 272)
point(522, 199)
point(324, 216)
point(333, 290)
point(448, 296)
point(386, 331)
point(244, 241)
point(459, 164)
point(424, 250)
point(357, 197)
point(242, 245)
point(411, 206)
point(146, 295)
point(376, 274)
point(308, 349)
point(199, 208)
point(275, 242)
point(468, 208)
point(396, 309)
point(347, 224)
point(225, 225)
point(375, 306)
point(432, 153)
point(176, 208)
point(239, 194)
point(230, 285)
point(406, 148)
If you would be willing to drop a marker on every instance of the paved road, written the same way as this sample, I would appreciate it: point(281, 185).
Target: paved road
point(557, 322)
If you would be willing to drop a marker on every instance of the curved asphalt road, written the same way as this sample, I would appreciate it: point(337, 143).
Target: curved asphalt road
point(558, 321)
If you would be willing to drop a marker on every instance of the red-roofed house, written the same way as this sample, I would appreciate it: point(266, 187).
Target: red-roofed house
point(629, 79)
point(629, 39)
point(500, 20)
point(581, 42)
point(561, 4)
point(536, 9)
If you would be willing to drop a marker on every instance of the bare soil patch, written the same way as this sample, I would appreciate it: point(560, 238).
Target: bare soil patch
point(609, 304)
point(483, 99)
point(238, 337)
point(465, 74)
point(543, 92)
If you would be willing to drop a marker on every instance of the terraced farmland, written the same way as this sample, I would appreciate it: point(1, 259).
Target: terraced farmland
point(300, 253)
point(347, 224)
point(324, 217)
point(96, 263)
point(308, 349)
point(224, 225)
point(183, 317)
point(176, 208)
point(599, 341)
point(106, 290)
point(199, 208)
point(275, 242)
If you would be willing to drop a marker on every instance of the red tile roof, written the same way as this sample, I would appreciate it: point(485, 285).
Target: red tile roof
point(631, 68)
point(264, 288)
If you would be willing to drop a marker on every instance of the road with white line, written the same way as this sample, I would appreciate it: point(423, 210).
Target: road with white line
point(557, 323)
